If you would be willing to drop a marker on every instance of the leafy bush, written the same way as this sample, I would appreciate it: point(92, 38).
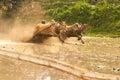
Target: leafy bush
point(102, 17)
point(71, 13)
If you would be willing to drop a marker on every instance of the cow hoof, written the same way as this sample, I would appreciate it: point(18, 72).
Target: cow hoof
point(83, 43)
point(78, 39)
point(62, 41)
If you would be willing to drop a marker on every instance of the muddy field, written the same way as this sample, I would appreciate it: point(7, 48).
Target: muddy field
point(21, 70)
point(97, 54)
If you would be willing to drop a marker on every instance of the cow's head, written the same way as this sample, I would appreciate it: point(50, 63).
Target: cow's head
point(62, 25)
point(83, 28)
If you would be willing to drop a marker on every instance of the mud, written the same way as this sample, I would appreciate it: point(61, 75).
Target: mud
point(20, 70)
point(97, 54)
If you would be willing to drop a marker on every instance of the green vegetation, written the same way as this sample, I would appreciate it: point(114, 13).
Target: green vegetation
point(102, 17)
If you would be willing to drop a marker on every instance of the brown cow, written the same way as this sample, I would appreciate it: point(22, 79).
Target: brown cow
point(75, 30)
point(44, 30)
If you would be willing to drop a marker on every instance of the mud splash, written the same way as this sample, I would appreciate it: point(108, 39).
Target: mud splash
point(21, 26)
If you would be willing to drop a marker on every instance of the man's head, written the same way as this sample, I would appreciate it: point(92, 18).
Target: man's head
point(43, 21)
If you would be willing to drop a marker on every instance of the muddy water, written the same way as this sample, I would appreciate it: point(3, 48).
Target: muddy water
point(14, 69)
point(97, 54)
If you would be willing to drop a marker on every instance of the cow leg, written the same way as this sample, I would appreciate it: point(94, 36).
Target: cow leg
point(82, 41)
point(62, 36)
point(81, 35)
point(80, 38)
point(61, 39)
point(55, 34)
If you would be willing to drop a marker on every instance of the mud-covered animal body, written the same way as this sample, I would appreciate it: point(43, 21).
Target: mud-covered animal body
point(76, 30)
point(44, 30)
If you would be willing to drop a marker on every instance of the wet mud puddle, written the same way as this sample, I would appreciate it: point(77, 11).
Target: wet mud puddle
point(97, 54)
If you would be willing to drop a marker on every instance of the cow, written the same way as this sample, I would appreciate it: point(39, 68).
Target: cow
point(44, 30)
point(76, 30)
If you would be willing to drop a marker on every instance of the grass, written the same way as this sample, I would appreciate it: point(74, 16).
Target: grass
point(102, 33)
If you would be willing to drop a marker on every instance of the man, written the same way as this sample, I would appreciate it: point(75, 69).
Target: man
point(43, 21)
point(9, 4)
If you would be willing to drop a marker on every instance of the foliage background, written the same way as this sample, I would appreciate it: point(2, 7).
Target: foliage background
point(101, 16)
